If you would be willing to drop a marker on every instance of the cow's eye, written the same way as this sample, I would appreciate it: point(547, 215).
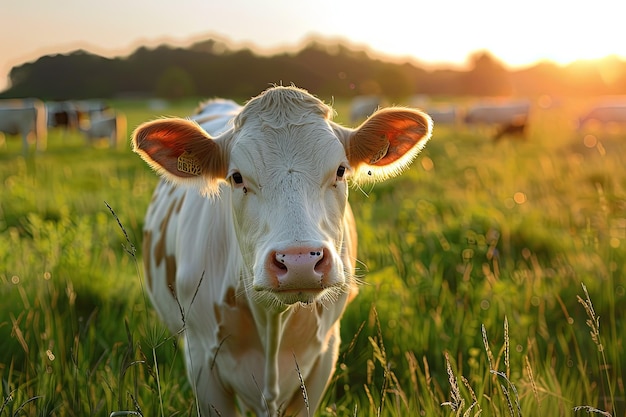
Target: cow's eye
point(341, 172)
point(237, 178)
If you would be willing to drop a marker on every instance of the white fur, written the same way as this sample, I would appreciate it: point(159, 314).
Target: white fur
point(25, 117)
point(248, 324)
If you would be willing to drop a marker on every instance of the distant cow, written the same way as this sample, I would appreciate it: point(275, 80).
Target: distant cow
point(63, 114)
point(443, 114)
point(609, 113)
point(363, 106)
point(210, 114)
point(507, 117)
point(110, 125)
point(256, 271)
point(91, 107)
point(26, 118)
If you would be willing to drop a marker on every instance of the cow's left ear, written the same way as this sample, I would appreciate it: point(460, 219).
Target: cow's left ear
point(183, 153)
point(386, 143)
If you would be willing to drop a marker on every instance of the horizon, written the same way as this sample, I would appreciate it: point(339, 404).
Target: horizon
point(433, 35)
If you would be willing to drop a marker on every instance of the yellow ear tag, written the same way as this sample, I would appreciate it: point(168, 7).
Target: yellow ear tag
point(188, 164)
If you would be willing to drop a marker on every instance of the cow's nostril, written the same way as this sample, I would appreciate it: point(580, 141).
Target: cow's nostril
point(279, 261)
point(323, 265)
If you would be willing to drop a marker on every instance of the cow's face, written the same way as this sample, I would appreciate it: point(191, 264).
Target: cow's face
point(288, 175)
point(287, 165)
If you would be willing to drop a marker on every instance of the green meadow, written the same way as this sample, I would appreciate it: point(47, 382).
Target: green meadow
point(494, 280)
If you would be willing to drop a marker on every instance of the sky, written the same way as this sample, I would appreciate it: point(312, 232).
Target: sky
point(434, 32)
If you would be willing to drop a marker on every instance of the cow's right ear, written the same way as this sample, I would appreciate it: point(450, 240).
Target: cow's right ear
point(182, 152)
point(386, 143)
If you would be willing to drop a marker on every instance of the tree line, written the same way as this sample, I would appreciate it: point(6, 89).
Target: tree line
point(209, 68)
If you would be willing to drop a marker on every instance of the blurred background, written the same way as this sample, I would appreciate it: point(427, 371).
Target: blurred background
point(494, 269)
point(72, 49)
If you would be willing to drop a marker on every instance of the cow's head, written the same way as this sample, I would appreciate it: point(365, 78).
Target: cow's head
point(287, 165)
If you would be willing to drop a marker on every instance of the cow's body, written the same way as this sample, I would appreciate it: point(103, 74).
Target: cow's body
point(26, 118)
point(605, 114)
point(259, 275)
point(110, 125)
point(63, 114)
point(509, 118)
point(497, 113)
point(443, 114)
point(363, 106)
point(89, 108)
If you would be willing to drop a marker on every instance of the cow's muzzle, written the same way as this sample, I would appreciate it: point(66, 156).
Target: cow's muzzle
point(299, 268)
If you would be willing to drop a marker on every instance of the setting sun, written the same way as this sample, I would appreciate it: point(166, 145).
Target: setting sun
point(518, 35)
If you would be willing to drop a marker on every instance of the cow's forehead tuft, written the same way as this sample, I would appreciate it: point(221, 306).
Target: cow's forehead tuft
point(281, 106)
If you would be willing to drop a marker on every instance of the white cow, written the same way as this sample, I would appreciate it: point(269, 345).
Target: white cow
point(608, 113)
point(91, 107)
point(443, 114)
point(509, 117)
point(26, 118)
point(63, 114)
point(110, 125)
point(362, 106)
point(258, 267)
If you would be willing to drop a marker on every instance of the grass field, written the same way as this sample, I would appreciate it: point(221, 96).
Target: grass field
point(495, 281)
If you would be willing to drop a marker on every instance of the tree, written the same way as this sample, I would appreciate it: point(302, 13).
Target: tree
point(175, 83)
point(395, 82)
point(487, 76)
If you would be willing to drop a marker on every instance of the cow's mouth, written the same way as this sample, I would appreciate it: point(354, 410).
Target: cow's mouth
point(299, 295)
point(304, 296)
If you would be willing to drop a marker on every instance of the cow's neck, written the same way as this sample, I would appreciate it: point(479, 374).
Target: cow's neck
point(273, 335)
point(270, 324)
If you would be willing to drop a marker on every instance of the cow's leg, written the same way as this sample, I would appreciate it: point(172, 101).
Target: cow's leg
point(274, 333)
point(41, 142)
point(213, 400)
point(317, 380)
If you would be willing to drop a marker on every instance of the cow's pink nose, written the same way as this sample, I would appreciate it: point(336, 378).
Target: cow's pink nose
point(300, 267)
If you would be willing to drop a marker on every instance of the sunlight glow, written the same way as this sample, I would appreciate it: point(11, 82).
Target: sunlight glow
point(435, 33)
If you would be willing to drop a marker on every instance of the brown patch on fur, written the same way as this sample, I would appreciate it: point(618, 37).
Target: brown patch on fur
point(155, 194)
point(180, 204)
point(217, 311)
point(170, 273)
point(147, 246)
point(231, 297)
point(159, 248)
point(231, 301)
point(236, 328)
